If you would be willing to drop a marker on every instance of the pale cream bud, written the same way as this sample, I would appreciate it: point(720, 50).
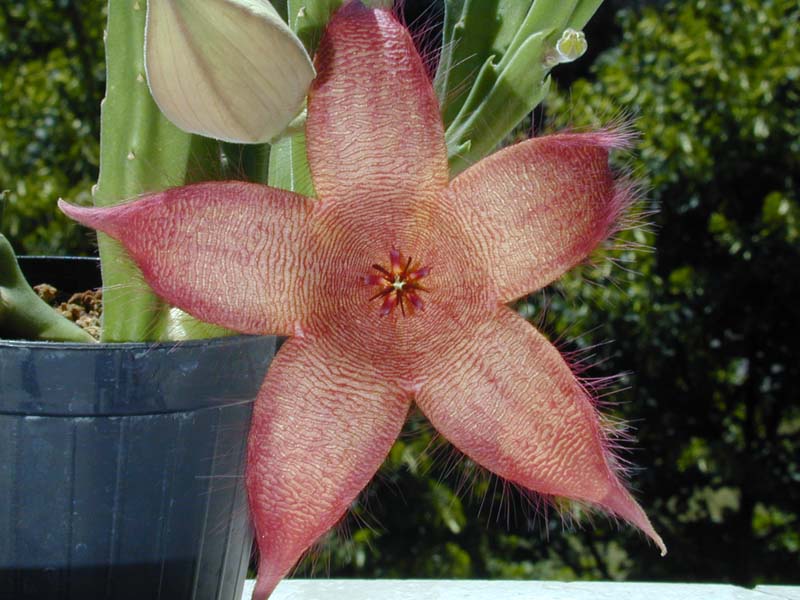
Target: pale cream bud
point(571, 46)
point(227, 69)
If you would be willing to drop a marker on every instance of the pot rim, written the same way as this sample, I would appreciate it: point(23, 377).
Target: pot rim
point(65, 379)
point(106, 346)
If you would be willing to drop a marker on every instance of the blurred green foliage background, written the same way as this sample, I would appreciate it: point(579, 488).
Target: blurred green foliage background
point(52, 78)
point(698, 305)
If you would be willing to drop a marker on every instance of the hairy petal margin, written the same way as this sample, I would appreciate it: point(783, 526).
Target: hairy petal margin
point(538, 208)
point(511, 403)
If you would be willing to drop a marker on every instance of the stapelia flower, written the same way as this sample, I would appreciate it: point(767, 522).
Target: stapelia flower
point(393, 287)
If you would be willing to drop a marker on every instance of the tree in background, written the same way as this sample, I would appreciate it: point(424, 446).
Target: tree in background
point(709, 327)
point(52, 77)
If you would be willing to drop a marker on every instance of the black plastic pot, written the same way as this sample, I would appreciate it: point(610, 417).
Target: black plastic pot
point(121, 466)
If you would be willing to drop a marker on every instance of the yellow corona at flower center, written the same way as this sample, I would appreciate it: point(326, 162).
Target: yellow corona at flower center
point(398, 284)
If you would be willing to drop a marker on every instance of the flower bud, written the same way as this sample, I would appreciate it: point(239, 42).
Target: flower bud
point(571, 46)
point(227, 69)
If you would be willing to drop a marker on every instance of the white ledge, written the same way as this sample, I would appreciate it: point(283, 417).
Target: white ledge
point(782, 592)
point(438, 589)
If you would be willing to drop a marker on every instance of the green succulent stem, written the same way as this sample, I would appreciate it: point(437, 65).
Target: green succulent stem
point(493, 69)
point(23, 315)
point(288, 165)
point(140, 152)
point(249, 162)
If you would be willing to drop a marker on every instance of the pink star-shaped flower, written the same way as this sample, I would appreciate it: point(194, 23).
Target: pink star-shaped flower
point(393, 287)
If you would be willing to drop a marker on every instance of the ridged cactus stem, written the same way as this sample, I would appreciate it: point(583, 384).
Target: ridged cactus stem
point(288, 166)
point(140, 152)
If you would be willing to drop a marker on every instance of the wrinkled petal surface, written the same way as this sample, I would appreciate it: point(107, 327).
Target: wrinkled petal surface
point(505, 397)
point(373, 119)
point(353, 238)
point(230, 253)
point(228, 69)
point(322, 426)
point(538, 208)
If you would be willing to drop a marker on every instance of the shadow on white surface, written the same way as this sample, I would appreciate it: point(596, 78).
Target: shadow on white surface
point(420, 589)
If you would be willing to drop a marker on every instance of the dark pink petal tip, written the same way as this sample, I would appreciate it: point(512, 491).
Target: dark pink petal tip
point(350, 8)
point(613, 137)
point(102, 219)
point(268, 579)
point(624, 208)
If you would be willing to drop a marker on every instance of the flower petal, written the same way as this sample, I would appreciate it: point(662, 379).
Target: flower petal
point(229, 253)
point(540, 207)
point(322, 426)
point(373, 119)
point(506, 398)
point(228, 69)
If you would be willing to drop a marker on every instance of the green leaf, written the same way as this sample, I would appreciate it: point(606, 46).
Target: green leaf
point(499, 100)
point(448, 506)
point(493, 67)
point(583, 12)
point(308, 19)
point(288, 166)
point(23, 315)
point(473, 31)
